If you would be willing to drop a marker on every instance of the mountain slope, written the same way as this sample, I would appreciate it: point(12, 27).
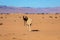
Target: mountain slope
point(7, 9)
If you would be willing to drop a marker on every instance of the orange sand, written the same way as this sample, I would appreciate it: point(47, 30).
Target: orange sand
point(12, 27)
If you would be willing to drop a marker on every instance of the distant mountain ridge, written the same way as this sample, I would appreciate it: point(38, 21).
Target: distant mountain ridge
point(7, 9)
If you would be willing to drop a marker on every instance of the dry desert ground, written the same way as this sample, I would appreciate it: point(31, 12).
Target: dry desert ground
point(12, 27)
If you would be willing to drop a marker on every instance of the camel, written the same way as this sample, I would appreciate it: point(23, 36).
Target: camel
point(27, 22)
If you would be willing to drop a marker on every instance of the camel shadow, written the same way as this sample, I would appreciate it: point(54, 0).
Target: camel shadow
point(35, 30)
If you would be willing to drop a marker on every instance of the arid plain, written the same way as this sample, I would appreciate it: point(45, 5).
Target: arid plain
point(12, 27)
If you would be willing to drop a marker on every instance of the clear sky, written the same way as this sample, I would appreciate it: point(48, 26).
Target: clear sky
point(31, 3)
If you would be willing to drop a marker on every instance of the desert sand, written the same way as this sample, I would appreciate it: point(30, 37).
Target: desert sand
point(12, 27)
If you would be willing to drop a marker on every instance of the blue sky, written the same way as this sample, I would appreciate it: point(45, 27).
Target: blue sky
point(31, 3)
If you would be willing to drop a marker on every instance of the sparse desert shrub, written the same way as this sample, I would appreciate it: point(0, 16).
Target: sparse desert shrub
point(50, 17)
point(13, 38)
point(1, 13)
point(1, 23)
point(56, 13)
point(1, 17)
point(42, 13)
point(56, 17)
point(7, 13)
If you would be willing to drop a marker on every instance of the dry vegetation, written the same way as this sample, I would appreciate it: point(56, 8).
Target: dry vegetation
point(1, 23)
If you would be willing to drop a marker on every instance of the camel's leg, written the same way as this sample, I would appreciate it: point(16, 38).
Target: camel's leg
point(29, 28)
point(24, 23)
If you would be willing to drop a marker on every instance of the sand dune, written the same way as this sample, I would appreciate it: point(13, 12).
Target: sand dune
point(12, 27)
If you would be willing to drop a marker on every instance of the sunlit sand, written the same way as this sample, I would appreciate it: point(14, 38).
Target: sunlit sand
point(44, 27)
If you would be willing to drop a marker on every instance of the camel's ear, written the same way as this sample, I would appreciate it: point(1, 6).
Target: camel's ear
point(25, 17)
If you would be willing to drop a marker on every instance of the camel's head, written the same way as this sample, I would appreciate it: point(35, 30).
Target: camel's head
point(25, 18)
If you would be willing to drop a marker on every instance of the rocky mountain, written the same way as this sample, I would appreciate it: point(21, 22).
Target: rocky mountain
point(7, 9)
